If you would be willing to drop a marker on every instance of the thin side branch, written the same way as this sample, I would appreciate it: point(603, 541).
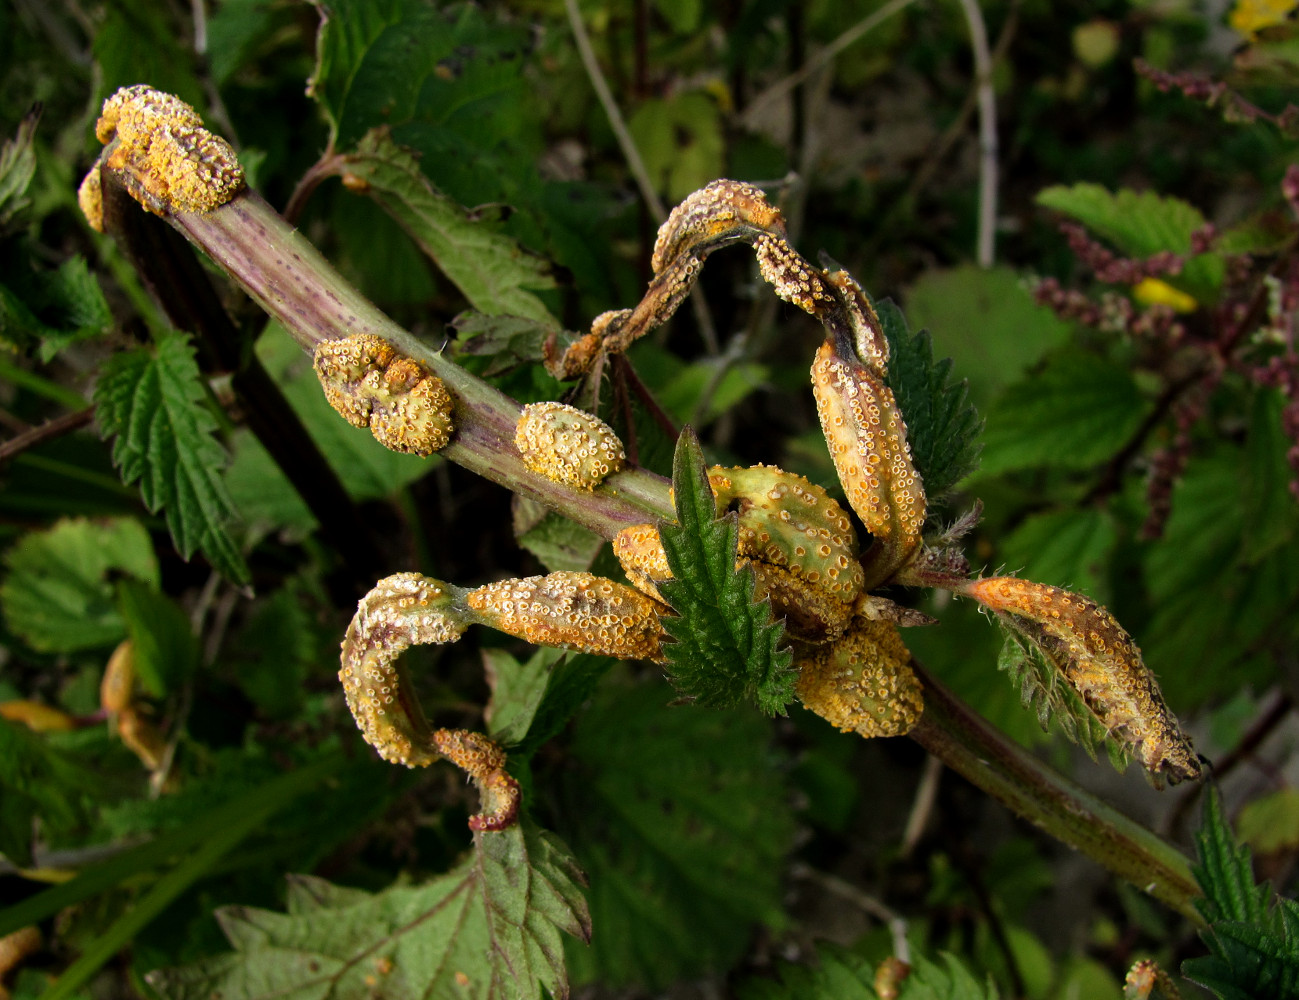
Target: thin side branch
point(47, 431)
point(987, 132)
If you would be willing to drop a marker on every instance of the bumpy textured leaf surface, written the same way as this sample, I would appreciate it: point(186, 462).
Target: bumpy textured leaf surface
point(1203, 640)
point(152, 402)
point(1074, 415)
point(841, 975)
point(493, 272)
point(682, 819)
point(491, 929)
point(727, 648)
point(1141, 224)
point(58, 596)
point(943, 426)
point(1253, 949)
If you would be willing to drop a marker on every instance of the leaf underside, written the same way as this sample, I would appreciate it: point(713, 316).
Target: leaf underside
point(490, 929)
point(152, 402)
point(1045, 692)
point(727, 649)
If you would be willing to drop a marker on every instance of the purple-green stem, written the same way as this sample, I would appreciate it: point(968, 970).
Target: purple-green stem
point(290, 279)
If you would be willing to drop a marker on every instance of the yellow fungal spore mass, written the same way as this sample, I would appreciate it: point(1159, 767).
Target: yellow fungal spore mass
point(863, 683)
point(798, 541)
point(573, 611)
point(406, 407)
point(169, 161)
point(402, 610)
point(567, 445)
point(868, 443)
point(1102, 663)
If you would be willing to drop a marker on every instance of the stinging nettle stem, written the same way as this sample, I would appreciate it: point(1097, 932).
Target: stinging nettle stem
point(293, 282)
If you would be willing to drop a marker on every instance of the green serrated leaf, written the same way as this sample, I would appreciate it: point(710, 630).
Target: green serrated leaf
point(58, 596)
point(1269, 513)
point(37, 780)
point(1074, 415)
point(1064, 548)
point(1141, 224)
point(152, 402)
point(79, 309)
point(491, 269)
point(1225, 871)
point(680, 139)
point(491, 929)
point(517, 691)
point(943, 427)
point(509, 341)
point(1254, 950)
point(1044, 691)
point(727, 648)
point(559, 543)
point(683, 819)
point(164, 646)
point(571, 683)
point(17, 167)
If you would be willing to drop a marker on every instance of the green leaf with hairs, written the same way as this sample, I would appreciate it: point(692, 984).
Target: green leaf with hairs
point(1141, 224)
point(683, 820)
point(152, 401)
point(1253, 944)
point(943, 427)
point(490, 929)
point(59, 595)
point(491, 269)
point(727, 647)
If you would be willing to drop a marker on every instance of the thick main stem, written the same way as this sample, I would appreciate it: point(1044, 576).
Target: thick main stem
point(970, 746)
point(291, 280)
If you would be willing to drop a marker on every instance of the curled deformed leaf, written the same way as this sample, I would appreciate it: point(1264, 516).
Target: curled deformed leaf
point(1100, 662)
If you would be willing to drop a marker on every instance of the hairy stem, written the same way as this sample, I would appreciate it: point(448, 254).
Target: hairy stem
point(968, 745)
point(291, 280)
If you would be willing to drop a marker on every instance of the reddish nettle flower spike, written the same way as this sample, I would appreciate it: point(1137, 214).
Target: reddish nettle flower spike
point(406, 407)
point(573, 611)
point(402, 610)
point(169, 162)
point(484, 762)
point(567, 445)
point(868, 443)
point(863, 683)
point(1100, 661)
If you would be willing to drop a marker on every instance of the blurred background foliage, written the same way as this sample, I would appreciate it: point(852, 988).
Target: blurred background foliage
point(1140, 446)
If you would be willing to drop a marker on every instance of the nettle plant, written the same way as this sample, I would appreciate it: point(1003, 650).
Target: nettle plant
point(746, 585)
